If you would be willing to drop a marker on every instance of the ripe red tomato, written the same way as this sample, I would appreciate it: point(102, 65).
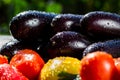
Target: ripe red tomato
point(117, 64)
point(28, 62)
point(98, 66)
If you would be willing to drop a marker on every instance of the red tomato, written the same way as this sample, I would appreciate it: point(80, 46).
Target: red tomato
point(3, 59)
point(28, 62)
point(117, 64)
point(98, 66)
point(8, 72)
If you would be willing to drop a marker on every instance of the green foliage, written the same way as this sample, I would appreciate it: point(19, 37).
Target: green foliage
point(54, 7)
point(10, 8)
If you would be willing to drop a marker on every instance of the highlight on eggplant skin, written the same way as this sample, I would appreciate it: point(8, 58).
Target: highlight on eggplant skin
point(66, 22)
point(110, 46)
point(101, 25)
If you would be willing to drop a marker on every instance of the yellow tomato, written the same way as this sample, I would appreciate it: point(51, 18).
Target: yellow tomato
point(60, 68)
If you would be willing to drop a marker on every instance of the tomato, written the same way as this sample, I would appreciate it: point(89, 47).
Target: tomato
point(117, 64)
point(61, 68)
point(98, 66)
point(3, 59)
point(28, 62)
point(8, 72)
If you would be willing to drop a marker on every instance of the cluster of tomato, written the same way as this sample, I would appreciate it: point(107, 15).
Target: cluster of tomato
point(25, 65)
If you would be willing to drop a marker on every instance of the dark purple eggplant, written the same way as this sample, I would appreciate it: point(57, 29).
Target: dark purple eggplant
point(66, 22)
point(67, 43)
point(32, 25)
point(111, 46)
point(101, 25)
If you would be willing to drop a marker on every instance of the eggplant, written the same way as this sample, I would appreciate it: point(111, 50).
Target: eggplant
point(66, 22)
point(110, 46)
point(67, 43)
point(100, 25)
point(31, 25)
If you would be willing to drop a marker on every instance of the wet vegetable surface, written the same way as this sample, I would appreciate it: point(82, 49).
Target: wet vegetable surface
point(66, 22)
point(110, 46)
point(101, 25)
point(67, 43)
point(31, 25)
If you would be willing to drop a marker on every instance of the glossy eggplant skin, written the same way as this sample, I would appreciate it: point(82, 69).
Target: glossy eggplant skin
point(110, 46)
point(66, 22)
point(101, 25)
point(31, 25)
point(67, 43)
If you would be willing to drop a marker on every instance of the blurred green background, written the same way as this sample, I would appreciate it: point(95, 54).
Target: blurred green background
point(9, 8)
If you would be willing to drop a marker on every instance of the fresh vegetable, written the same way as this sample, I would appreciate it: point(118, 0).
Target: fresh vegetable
point(31, 25)
point(117, 64)
point(98, 66)
point(28, 62)
point(66, 22)
point(110, 46)
point(8, 72)
point(67, 43)
point(3, 59)
point(100, 25)
point(60, 68)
